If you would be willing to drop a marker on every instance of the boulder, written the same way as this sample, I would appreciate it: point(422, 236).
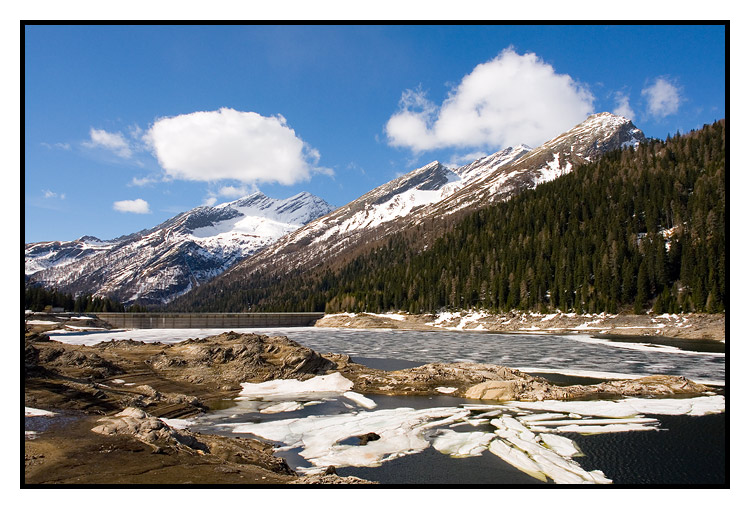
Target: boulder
point(497, 390)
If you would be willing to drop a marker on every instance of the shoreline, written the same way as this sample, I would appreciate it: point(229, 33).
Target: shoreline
point(689, 326)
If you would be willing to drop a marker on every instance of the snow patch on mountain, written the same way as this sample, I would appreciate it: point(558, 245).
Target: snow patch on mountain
point(437, 183)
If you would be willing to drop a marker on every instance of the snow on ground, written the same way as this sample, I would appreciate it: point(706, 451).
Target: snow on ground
point(465, 319)
point(35, 412)
point(177, 423)
point(446, 390)
point(41, 322)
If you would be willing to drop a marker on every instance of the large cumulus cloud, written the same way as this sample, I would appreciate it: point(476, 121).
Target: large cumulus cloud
point(235, 145)
point(509, 100)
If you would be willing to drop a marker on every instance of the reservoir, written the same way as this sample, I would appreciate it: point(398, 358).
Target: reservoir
point(681, 450)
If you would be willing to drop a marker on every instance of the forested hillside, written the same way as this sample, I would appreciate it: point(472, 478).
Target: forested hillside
point(639, 229)
point(37, 298)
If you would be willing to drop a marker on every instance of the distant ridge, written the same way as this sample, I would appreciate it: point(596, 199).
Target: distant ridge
point(154, 266)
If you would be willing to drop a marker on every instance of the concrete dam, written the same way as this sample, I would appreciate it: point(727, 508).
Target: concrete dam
point(208, 320)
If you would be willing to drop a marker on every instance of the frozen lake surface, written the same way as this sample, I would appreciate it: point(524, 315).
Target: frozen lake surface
point(570, 354)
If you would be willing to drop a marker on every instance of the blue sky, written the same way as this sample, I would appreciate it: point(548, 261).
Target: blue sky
point(126, 126)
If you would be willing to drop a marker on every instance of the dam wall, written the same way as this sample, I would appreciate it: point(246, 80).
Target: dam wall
point(207, 320)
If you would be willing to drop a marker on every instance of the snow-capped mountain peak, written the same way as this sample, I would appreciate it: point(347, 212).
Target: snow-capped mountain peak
point(433, 193)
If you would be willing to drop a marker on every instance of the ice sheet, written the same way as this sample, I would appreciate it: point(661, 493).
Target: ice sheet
point(360, 399)
point(291, 389)
point(401, 432)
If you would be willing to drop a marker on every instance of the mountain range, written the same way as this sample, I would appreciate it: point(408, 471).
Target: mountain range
point(211, 249)
point(156, 265)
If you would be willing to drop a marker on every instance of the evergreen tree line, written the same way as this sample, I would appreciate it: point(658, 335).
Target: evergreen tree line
point(639, 229)
point(38, 298)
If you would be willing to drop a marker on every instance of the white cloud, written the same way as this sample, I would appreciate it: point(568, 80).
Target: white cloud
point(114, 142)
point(233, 192)
point(623, 106)
point(509, 100)
point(51, 194)
point(227, 144)
point(663, 98)
point(61, 146)
point(144, 181)
point(458, 160)
point(137, 206)
point(209, 201)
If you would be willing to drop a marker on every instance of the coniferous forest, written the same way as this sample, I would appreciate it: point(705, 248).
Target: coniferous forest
point(37, 298)
point(640, 229)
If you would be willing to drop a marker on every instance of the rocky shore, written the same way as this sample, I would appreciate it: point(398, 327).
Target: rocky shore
point(118, 404)
point(682, 326)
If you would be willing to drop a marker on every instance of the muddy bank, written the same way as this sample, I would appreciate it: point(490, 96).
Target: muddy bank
point(684, 326)
point(111, 401)
point(89, 440)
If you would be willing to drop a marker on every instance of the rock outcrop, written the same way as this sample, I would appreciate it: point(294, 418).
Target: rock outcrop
point(499, 383)
point(148, 429)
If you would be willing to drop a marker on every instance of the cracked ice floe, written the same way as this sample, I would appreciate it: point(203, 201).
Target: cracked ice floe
point(559, 469)
point(401, 432)
point(628, 407)
point(542, 455)
point(361, 400)
point(462, 445)
point(284, 406)
point(563, 446)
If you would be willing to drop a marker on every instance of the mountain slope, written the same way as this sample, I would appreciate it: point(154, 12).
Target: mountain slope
point(156, 265)
point(583, 143)
point(426, 201)
point(634, 230)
